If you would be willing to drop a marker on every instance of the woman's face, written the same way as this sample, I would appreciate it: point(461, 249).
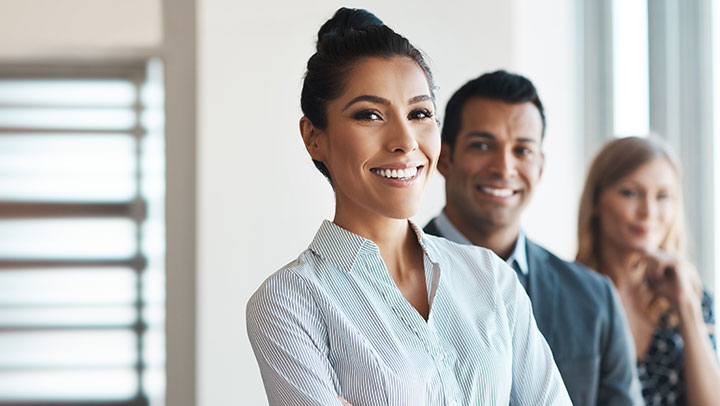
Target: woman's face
point(382, 142)
point(637, 211)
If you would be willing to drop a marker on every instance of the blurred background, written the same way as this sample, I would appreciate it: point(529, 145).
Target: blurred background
point(152, 174)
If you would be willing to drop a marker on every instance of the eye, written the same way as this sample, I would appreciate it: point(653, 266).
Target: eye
point(482, 146)
point(367, 115)
point(420, 114)
point(628, 193)
point(524, 151)
point(663, 195)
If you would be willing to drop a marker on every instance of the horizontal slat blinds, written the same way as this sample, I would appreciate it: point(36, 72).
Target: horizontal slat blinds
point(82, 236)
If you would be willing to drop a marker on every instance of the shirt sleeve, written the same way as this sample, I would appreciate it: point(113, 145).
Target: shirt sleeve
point(289, 339)
point(535, 377)
point(619, 384)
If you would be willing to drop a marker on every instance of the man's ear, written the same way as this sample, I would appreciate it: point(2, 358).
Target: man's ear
point(314, 139)
point(445, 159)
point(542, 164)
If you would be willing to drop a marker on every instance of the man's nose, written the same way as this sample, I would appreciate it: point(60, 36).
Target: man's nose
point(504, 163)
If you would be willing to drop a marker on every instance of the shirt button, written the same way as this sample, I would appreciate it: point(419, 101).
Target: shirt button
point(454, 403)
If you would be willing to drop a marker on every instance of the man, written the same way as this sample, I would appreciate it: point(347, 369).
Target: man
point(492, 160)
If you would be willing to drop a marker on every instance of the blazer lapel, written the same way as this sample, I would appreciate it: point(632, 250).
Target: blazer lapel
point(542, 282)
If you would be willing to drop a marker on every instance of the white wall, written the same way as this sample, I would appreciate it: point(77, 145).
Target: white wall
point(63, 28)
point(545, 50)
point(260, 198)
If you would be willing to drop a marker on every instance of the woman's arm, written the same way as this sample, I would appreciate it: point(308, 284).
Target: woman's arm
point(289, 339)
point(673, 278)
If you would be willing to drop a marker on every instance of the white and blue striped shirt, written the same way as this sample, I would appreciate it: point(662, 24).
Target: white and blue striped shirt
point(333, 323)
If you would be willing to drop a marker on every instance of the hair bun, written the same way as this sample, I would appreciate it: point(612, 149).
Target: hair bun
point(347, 19)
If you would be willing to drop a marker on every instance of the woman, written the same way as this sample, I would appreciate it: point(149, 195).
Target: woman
point(631, 229)
point(374, 312)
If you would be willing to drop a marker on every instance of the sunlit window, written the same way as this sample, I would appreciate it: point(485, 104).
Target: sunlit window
point(630, 67)
point(82, 236)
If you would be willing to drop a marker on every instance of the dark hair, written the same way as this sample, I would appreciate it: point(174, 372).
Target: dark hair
point(498, 85)
point(348, 37)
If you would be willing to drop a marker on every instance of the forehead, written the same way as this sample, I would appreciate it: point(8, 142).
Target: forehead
point(488, 115)
point(386, 77)
point(657, 172)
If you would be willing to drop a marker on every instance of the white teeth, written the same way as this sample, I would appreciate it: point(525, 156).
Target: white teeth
point(497, 192)
point(407, 173)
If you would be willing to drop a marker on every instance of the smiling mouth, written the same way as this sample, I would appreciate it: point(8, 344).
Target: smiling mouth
point(497, 192)
point(400, 174)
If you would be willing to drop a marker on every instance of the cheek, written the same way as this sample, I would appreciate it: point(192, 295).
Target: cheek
point(349, 149)
point(431, 144)
point(666, 212)
point(612, 214)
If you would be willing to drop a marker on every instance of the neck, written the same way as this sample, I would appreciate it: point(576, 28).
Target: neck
point(500, 239)
point(621, 265)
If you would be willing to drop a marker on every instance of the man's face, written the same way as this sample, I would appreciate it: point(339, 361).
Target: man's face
point(492, 171)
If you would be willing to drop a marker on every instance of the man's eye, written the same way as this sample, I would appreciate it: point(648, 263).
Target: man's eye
point(522, 151)
point(482, 146)
point(367, 115)
point(420, 114)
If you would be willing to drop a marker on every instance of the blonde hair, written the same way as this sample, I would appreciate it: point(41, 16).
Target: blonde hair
point(616, 160)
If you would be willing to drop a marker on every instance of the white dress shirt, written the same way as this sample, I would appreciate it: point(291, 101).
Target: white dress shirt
point(333, 323)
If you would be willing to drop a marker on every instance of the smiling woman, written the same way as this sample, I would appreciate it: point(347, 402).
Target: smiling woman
point(375, 312)
point(631, 228)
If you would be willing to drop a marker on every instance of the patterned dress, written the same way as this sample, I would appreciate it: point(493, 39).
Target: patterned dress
point(661, 372)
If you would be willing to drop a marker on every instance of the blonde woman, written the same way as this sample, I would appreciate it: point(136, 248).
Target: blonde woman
point(631, 229)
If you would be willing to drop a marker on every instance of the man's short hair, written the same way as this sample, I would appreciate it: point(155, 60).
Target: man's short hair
point(499, 85)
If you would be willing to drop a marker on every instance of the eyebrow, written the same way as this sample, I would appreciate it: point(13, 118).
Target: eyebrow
point(386, 102)
point(484, 134)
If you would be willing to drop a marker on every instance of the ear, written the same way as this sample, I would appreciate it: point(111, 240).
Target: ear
point(445, 159)
point(542, 164)
point(314, 139)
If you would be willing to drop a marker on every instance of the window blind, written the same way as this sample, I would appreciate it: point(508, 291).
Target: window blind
point(82, 235)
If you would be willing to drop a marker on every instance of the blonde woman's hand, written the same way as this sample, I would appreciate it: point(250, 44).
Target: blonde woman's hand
point(344, 402)
point(672, 277)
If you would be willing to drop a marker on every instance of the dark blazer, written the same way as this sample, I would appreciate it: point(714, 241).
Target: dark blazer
point(578, 312)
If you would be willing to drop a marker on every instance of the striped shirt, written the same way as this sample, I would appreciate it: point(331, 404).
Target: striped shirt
point(333, 323)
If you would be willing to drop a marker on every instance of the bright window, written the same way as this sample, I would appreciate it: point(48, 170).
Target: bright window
point(82, 235)
point(630, 67)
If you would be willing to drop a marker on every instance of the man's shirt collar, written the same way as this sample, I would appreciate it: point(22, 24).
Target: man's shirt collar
point(449, 231)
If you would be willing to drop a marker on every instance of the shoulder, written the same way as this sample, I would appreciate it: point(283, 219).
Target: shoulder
point(431, 228)
point(569, 273)
point(284, 290)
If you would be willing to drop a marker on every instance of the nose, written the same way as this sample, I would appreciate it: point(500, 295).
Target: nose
point(503, 163)
point(647, 208)
point(402, 137)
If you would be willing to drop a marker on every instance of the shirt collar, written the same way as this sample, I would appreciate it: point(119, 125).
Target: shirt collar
point(343, 248)
point(449, 231)
point(519, 254)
